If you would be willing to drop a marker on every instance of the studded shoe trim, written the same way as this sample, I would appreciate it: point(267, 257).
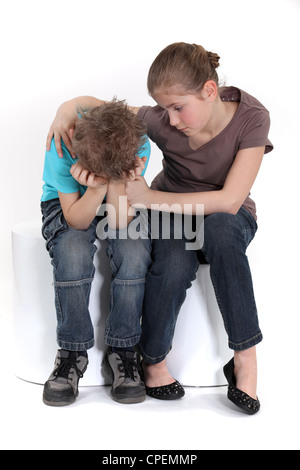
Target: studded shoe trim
point(239, 398)
point(243, 401)
point(173, 391)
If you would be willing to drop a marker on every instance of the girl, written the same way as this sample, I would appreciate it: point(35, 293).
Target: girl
point(213, 140)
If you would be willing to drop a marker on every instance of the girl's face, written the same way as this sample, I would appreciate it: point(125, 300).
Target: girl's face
point(190, 114)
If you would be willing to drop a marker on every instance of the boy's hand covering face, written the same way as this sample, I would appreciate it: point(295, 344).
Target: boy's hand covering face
point(87, 178)
point(139, 169)
point(90, 179)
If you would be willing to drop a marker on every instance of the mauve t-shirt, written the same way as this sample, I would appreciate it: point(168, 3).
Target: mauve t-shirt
point(186, 170)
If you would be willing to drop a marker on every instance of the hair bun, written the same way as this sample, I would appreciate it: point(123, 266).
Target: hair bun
point(213, 59)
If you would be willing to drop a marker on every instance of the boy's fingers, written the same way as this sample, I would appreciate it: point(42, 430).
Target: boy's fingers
point(141, 161)
point(90, 179)
point(73, 168)
point(79, 173)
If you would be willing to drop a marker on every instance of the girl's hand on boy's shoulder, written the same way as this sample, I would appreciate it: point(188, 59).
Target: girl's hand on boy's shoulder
point(62, 128)
point(87, 178)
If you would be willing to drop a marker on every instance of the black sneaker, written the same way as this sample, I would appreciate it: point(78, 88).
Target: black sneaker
point(62, 387)
point(124, 370)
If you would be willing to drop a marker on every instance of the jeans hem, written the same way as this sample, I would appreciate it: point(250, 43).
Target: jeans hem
point(246, 344)
point(122, 343)
point(154, 360)
point(70, 346)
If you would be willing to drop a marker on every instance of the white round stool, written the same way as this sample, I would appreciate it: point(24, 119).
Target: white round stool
point(200, 344)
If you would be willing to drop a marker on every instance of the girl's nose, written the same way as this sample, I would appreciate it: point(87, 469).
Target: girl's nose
point(174, 119)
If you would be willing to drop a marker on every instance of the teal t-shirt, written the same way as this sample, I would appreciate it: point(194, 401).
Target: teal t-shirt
point(57, 176)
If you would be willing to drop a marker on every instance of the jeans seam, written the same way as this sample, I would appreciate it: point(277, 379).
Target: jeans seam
point(129, 282)
point(78, 282)
point(220, 304)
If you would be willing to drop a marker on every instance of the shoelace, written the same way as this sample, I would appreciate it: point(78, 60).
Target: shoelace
point(128, 366)
point(65, 366)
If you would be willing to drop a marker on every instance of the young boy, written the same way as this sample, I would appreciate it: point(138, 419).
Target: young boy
point(110, 144)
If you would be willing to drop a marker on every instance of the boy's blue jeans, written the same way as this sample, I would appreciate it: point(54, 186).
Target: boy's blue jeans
point(149, 281)
point(72, 253)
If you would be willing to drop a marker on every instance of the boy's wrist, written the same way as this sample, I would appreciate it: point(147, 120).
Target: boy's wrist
point(116, 183)
point(100, 189)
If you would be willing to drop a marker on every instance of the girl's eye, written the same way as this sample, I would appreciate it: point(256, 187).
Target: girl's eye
point(178, 108)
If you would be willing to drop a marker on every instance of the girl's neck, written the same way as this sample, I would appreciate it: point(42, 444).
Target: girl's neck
point(222, 113)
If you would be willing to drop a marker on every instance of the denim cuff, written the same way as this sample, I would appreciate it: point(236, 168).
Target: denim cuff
point(83, 346)
point(250, 343)
point(122, 343)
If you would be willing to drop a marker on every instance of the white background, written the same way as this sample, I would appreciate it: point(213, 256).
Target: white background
point(54, 50)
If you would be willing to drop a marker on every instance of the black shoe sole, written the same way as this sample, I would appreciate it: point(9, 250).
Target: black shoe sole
point(125, 399)
point(58, 401)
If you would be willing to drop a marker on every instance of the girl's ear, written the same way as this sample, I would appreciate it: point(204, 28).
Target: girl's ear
point(210, 90)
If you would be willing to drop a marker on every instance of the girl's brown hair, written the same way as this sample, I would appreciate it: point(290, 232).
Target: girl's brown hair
point(107, 139)
point(187, 65)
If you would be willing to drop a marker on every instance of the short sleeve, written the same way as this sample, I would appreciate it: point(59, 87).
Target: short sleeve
point(256, 130)
point(154, 118)
point(57, 171)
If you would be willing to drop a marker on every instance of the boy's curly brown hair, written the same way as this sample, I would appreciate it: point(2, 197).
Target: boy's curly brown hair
point(107, 139)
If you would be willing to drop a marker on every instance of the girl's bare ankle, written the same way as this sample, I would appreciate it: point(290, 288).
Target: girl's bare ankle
point(157, 375)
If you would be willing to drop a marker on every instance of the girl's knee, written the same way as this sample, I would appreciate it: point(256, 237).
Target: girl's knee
point(172, 261)
point(221, 229)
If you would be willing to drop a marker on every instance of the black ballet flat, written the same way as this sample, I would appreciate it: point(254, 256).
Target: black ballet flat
point(173, 391)
point(239, 398)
